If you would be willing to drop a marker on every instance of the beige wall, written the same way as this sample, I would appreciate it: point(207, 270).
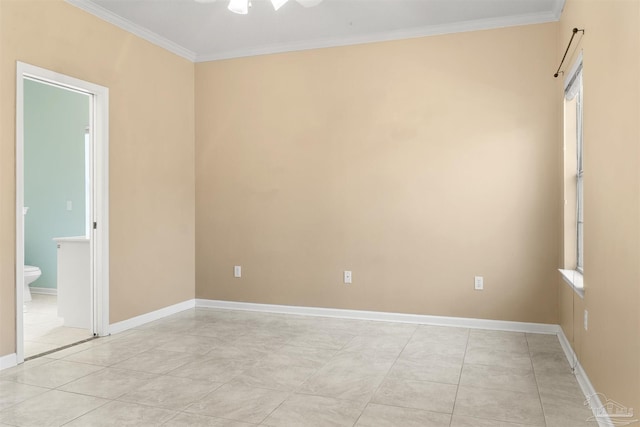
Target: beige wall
point(610, 349)
point(416, 164)
point(151, 151)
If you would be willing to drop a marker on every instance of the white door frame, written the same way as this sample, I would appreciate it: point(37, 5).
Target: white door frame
point(99, 127)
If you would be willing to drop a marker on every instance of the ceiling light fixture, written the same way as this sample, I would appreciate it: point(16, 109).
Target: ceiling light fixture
point(277, 4)
point(242, 6)
point(239, 6)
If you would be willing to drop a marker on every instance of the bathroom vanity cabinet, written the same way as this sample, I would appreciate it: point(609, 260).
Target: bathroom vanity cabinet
point(74, 281)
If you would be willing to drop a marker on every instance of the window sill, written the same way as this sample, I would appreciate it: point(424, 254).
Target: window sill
point(575, 280)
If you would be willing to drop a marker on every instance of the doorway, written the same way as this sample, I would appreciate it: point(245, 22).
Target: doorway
point(69, 171)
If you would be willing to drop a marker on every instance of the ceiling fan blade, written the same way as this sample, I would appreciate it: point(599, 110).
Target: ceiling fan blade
point(309, 3)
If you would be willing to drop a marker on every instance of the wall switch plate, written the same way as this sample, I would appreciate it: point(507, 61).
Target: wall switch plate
point(347, 276)
point(478, 283)
point(237, 271)
point(586, 320)
point(69, 205)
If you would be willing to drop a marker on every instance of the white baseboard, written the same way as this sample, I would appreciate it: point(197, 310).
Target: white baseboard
point(589, 392)
point(114, 328)
point(500, 325)
point(43, 291)
point(8, 361)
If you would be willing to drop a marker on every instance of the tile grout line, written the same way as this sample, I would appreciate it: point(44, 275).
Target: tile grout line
point(366, 405)
point(535, 377)
point(337, 351)
point(86, 413)
point(464, 356)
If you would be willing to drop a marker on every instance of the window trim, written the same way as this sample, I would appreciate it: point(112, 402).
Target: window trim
point(573, 90)
point(579, 176)
point(575, 279)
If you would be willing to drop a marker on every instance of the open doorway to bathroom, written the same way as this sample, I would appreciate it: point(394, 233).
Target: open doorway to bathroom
point(61, 215)
point(57, 211)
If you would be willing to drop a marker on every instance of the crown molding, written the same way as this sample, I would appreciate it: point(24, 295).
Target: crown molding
point(129, 26)
point(558, 7)
point(459, 27)
point(433, 30)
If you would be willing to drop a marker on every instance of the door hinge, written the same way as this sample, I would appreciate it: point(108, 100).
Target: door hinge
point(95, 225)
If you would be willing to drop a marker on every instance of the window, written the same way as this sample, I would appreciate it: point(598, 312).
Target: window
point(574, 172)
point(576, 86)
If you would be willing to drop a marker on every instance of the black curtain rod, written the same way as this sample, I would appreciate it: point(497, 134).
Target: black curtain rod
point(573, 34)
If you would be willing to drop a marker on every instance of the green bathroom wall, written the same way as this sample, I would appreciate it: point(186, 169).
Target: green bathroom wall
point(55, 120)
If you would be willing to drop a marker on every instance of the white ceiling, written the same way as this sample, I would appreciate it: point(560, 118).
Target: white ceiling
point(208, 31)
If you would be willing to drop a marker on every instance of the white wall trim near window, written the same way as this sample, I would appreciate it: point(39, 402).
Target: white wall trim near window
point(573, 72)
point(574, 279)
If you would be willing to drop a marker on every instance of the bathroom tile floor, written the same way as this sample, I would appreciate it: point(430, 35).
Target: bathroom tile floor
point(44, 330)
point(207, 367)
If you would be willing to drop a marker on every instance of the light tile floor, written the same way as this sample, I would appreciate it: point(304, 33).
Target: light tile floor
point(44, 330)
point(206, 367)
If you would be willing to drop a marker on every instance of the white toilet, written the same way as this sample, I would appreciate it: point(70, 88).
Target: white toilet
point(31, 274)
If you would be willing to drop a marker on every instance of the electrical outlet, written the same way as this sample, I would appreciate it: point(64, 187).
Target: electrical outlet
point(347, 276)
point(586, 320)
point(237, 271)
point(478, 283)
